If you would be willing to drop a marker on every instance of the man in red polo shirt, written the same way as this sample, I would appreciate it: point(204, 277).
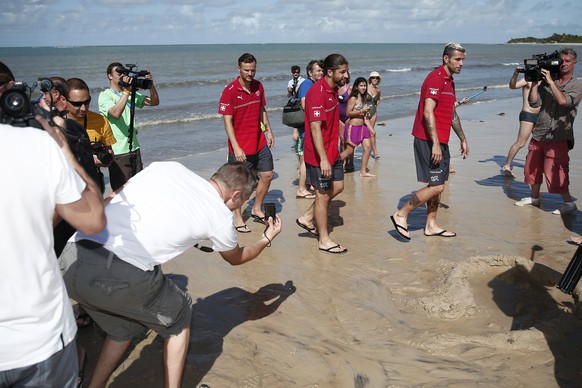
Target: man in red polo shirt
point(242, 106)
point(432, 128)
point(322, 159)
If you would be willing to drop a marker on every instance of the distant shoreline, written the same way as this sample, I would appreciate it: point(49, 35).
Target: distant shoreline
point(548, 44)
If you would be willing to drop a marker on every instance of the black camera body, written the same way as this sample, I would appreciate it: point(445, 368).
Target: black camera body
point(101, 153)
point(137, 77)
point(17, 108)
point(533, 67)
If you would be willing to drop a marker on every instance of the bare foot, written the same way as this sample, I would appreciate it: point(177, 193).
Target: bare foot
point(452, 170)
point(576, 240)
point(367, 175)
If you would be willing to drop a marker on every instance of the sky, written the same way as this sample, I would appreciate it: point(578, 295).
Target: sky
point(35, 23)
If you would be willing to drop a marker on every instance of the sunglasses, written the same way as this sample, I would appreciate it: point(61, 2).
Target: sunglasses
point(77, 104)
point(374, 77)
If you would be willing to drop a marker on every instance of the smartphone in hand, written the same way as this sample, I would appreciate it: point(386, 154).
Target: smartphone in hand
point(270, 211)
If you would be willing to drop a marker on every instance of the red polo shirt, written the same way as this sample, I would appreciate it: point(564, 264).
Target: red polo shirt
point(439, 86)
point(321, 104)
point(245, 109)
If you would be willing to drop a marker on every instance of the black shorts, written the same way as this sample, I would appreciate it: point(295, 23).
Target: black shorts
point(528, 117)
point(261, 161)
point(314, 173)
point(426, 171)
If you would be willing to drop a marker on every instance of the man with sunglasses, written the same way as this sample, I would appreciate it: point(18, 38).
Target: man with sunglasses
point(97, 126)
point(115, 105)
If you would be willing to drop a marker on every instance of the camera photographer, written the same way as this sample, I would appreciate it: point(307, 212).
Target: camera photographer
point(96, 126)
point(553, 135)
point(115, 105)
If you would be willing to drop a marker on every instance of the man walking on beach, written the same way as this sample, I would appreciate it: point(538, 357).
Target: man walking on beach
point(314, 73)
point(160, 213)
point(553, 134)
point(115, 105)
point(242, 106)
point(434, 118)
point(322, 159)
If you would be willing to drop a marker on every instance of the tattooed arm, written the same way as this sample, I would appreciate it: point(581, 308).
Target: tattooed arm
point(459, 131)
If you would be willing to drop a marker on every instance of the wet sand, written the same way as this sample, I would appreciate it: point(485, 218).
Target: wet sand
point(480, 309)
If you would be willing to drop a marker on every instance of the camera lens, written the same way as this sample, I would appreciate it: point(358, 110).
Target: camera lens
point(14, 103)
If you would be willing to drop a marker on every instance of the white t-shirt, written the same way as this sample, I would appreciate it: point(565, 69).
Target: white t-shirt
point(299, 81)
point(160, 213)
point(36, 318)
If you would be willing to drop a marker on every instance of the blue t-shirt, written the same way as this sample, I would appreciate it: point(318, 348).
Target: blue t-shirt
point(304, 87)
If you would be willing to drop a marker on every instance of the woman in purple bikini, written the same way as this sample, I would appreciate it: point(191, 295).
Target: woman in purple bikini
point(356, 131)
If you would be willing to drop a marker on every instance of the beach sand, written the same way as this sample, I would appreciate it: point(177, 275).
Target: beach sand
point(480, 309)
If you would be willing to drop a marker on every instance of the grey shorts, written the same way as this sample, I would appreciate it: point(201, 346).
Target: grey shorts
point(426, 171)
point(261, 161)
point(120, 297)
point(529, 117)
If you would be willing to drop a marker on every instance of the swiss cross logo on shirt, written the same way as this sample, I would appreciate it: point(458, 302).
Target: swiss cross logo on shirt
point(433, 91)
point(223, 107)
point(316, 113)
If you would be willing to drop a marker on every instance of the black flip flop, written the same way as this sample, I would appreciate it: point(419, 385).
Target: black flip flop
point(242, 229)
point(311, 231)
point(398, 228)
point(330, 249)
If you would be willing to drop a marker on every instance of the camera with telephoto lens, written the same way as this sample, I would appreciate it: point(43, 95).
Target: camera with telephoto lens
point(101, 153)
point(17, 108)
point(137, 77)
point(533, 67)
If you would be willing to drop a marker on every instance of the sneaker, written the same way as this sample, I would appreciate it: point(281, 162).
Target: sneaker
point(528, 201)
point(567, 207)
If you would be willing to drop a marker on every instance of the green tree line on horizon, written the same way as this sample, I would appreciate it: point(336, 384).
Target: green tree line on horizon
point(555, 38)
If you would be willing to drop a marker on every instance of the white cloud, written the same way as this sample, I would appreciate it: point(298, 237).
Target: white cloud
point(42, 22)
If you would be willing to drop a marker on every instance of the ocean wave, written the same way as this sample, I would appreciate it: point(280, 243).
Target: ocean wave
point(178, 120)
point(402, 70)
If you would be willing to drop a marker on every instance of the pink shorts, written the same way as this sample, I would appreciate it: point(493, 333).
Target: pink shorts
point(549, 160)
point(356, 134)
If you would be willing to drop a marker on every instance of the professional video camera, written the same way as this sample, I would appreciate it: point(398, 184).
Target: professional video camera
point(533, 67)
point(16, 107)
point(138, 77)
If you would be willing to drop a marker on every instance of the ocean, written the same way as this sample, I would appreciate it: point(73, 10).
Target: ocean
point(190, 78)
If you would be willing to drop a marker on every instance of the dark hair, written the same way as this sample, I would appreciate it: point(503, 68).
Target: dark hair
point(312, 63)
point(236, 176)
point(76, 84)
point(246, 58)
point(333, 61)
point(569, 51)
point(5, 73)
point(295, 68)
point(358, 81)
point(60, 85)
point(113, 66)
